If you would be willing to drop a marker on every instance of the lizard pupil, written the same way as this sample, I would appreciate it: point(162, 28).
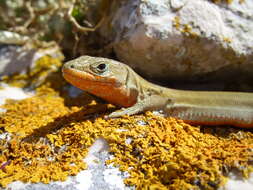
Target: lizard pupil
point(101, 66)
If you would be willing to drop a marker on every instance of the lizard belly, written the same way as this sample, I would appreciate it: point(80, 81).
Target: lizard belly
point(213, 115)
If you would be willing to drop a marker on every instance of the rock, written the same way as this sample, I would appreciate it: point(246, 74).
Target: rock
point(182, 40)
point(31, 62)
point(14, 59)
point(7, 37)
point(97, 176)
point(17, 59)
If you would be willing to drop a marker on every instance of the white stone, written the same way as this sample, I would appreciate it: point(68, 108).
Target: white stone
point(15, 93)
point(84, 180)
point(173, 39)
point(234, 183)
point(98, 146)
point(113, 177)
point(7, 37)
point(177, 4)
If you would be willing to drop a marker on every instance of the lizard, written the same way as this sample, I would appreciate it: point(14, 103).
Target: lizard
point(120, 85)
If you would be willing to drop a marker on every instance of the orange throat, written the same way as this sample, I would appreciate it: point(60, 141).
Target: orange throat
point(106, 88)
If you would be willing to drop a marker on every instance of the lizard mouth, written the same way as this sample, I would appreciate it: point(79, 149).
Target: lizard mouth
point(79, 77)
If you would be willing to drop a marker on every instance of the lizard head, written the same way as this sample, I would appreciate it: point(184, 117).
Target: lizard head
point(102, 77)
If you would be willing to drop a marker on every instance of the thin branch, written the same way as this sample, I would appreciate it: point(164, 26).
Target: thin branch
point(78, 26)
point(31, 12)
point(23, 28)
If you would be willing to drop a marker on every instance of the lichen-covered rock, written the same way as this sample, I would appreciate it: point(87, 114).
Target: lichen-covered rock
point(172, 39)
point(29, 63)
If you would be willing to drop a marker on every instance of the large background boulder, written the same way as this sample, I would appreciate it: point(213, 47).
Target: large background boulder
point(194, 39)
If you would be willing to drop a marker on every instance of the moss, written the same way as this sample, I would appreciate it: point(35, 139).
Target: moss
point(78, 14)
point(51, 135)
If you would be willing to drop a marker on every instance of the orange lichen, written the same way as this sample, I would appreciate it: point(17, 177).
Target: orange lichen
point(226, 39)
point(35, 76)
point(176, 22)
point(185, 29)
point(50, 136)
point(226, 1)
point(174, 153)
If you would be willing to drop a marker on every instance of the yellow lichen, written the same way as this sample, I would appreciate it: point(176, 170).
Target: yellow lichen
point(35, 76)
point(51, 134)
point(176, 22)
point(226, 39)
point(226, 1)
point(185, 29)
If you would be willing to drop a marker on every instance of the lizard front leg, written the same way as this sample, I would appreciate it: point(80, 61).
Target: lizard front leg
point(152, 102)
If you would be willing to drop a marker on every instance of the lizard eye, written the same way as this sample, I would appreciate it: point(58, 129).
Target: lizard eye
point(99, 68)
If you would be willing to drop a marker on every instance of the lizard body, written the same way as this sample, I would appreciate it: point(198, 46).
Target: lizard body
point(119, 84)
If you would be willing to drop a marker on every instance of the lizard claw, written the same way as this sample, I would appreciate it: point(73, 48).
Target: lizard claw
point(106, 117)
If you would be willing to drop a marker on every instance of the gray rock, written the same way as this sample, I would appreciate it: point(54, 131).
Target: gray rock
point(98, 175)
point(15, 59)
point(182, 40)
